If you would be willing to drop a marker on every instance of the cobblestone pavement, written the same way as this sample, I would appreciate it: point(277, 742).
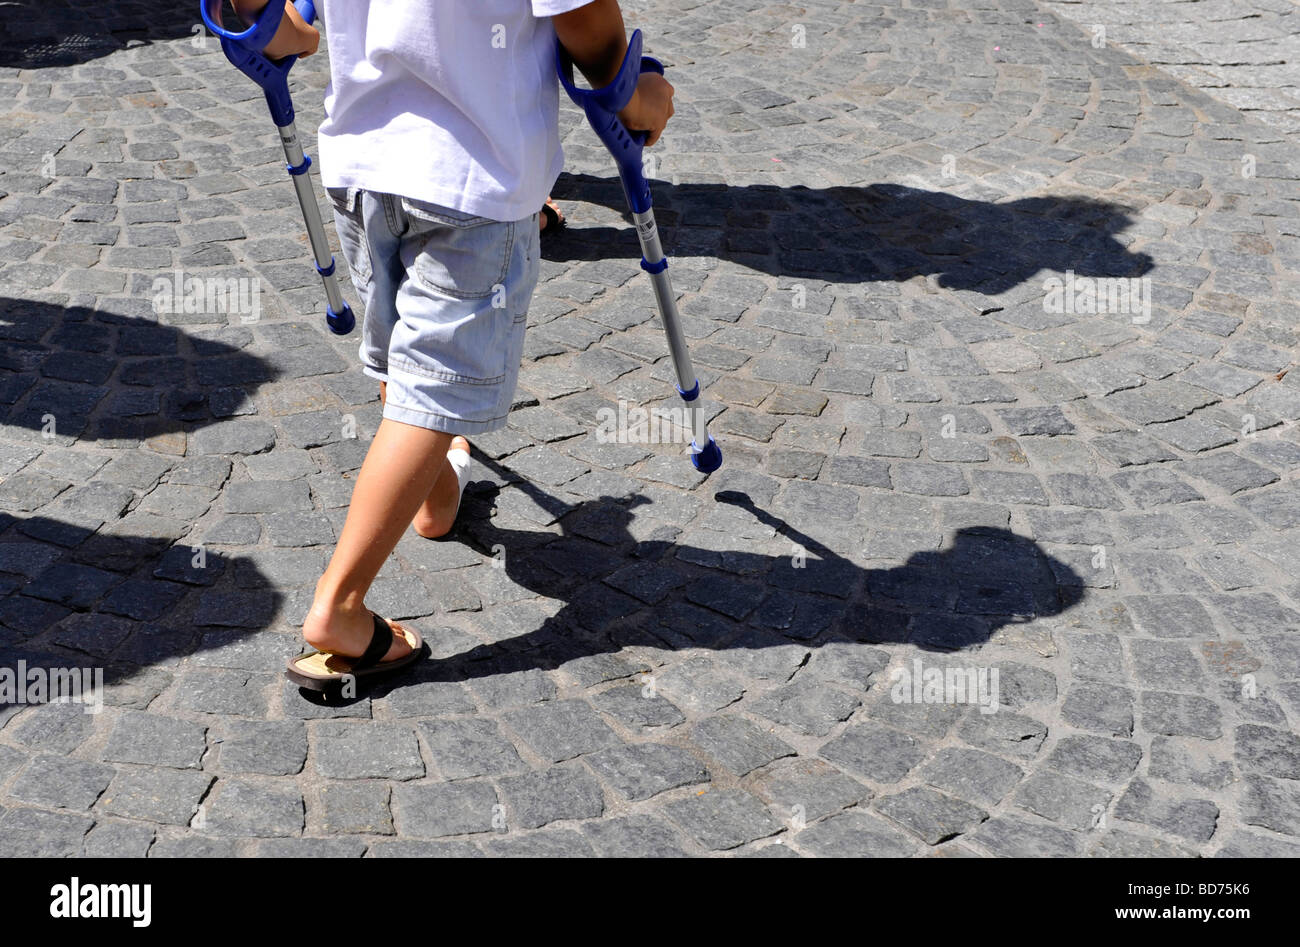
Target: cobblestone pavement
point(1242, 52)
point(930, 457)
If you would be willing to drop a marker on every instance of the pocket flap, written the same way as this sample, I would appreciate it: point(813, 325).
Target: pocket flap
point(436, 213)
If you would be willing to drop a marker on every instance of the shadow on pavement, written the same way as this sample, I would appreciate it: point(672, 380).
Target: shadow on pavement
point(87, 578)
point(882, 232)
point(36, 34)
point(106, 377)
point(618, 592)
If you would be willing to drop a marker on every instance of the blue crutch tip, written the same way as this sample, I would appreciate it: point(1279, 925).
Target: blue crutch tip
point(709, 459)
point(341, 323)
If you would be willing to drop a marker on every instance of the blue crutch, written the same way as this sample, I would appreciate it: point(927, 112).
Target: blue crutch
point(244, 50)
point(602, 107)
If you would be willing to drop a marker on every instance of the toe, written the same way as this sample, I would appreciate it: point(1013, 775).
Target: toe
point(401, 646)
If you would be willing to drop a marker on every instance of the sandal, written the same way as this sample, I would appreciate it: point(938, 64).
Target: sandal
point(553, 219)
point(324, 671)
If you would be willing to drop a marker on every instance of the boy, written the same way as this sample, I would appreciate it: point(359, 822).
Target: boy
point(440, 142)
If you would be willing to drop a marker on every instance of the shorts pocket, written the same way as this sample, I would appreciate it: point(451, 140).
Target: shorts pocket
point(460, 255)
point(456, 343)
point(352, 235)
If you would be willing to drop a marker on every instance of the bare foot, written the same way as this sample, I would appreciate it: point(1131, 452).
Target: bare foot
point(347, 632)
point(438, 513)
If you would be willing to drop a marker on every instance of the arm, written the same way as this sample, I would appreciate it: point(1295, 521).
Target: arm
point(594, 36)
point(293, 38)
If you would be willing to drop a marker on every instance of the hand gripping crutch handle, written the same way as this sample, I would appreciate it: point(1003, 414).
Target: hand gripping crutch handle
point(244, 48)
point(602, 107)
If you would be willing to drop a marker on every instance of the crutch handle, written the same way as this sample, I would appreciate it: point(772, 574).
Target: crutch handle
point(602, 107)
point(244, 50)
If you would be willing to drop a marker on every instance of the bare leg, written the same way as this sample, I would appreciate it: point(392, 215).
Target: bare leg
point(394, 487)
point(438, 511)
point(401, 467)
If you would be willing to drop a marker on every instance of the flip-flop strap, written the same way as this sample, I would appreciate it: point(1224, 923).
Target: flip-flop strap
point(380, 642)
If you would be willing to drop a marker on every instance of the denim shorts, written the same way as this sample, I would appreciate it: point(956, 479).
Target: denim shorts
point(446, 301)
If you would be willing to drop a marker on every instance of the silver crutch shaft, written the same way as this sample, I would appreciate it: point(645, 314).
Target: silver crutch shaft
point(704, 451)
point(339, 316)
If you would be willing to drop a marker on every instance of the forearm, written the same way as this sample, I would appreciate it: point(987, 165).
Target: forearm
point(595, 38)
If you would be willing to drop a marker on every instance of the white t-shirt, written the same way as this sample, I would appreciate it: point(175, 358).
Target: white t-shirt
point(450, 101)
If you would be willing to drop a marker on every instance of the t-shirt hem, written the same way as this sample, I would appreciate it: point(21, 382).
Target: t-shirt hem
point(553, 7)
point(480, 205)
